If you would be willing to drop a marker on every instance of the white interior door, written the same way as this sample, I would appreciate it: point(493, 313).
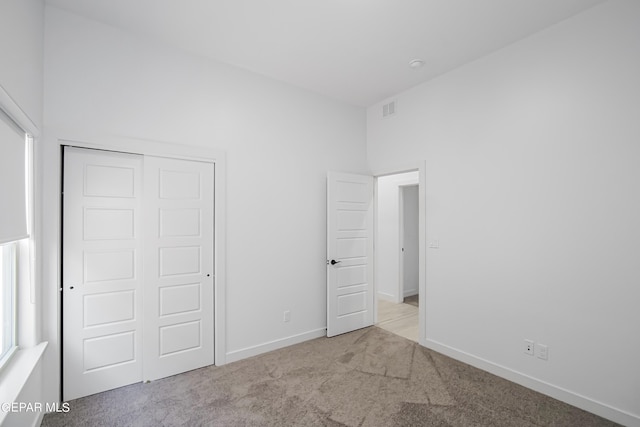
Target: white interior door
point(102, 271)
point(350, 296)
point(178, 264)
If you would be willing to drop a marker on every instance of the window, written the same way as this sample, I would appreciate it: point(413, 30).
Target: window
point(7, 298)
point(15, 222)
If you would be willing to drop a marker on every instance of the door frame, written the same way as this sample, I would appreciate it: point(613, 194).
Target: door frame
point(50, 192)
point(422, 241)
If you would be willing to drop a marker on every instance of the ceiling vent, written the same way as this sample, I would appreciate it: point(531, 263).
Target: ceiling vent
point(389, 109)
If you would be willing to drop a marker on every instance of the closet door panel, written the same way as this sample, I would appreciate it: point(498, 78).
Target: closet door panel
point(178, 263)
point(101, 271)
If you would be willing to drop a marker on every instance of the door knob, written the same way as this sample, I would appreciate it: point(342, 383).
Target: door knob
point(334, 262)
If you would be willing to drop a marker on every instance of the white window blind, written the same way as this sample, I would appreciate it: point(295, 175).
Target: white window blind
point(13, 206)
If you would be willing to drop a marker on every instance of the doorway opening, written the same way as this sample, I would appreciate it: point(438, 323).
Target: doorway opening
point(397, 254)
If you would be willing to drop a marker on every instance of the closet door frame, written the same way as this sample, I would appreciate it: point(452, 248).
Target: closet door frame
point(52, 304)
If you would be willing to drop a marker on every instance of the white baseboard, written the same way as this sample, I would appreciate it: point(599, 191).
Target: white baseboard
point(386, 297)
point(582, 402)
point(410, 292)
point(244, 353)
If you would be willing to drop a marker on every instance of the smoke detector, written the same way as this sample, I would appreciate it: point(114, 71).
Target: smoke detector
point(416, 63)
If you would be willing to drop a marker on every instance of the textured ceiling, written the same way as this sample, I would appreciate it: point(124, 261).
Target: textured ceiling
point(353, 50)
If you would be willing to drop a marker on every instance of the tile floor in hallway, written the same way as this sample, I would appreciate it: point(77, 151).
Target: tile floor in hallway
point(399, 318)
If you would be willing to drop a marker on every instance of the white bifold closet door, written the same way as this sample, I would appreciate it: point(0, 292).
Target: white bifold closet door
point(137, 269)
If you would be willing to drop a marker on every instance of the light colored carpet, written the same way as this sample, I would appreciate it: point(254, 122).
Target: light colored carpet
point(365, 378)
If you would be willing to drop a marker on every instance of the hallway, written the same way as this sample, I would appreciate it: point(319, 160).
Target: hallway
point(400, 319)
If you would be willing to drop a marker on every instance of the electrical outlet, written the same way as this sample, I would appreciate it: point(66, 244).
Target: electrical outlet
point(287, 316)
point(529, 347)
point(543, 352)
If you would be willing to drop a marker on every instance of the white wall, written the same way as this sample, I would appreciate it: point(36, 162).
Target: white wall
point(21, 50)
point(387, 234)
point(410, 240)
point(21, 77)
point(532, 185)
point(279, 140)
